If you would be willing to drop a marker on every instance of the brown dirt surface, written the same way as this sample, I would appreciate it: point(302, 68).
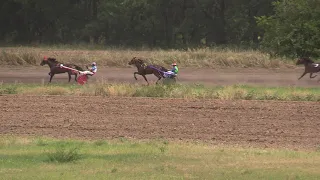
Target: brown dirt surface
point(245, 123)
point(227, 76)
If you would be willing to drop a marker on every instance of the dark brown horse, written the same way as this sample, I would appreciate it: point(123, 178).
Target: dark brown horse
point(56, 69)
point(309, 66)
point(144, 69)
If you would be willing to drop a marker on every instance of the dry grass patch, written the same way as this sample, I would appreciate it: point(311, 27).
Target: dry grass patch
point(19, 57)
point(205, 57)
point(43, 90)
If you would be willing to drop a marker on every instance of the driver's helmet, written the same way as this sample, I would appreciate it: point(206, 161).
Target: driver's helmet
point(94, 64)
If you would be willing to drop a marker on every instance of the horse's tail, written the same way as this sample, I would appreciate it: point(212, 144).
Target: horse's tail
point(78, 68)
point(163, 69)
point(159, 68)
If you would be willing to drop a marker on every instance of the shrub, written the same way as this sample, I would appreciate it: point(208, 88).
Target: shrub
point(64, 154)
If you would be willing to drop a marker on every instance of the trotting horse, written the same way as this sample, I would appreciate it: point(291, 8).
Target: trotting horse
point(56, 69)
point(144, 69)
point(309, 66)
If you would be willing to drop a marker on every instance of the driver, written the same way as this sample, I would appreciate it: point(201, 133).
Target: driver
point(174, 71)
point(93, 69)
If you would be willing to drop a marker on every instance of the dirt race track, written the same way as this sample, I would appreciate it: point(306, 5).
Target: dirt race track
point(248, 123)
point(228, 76)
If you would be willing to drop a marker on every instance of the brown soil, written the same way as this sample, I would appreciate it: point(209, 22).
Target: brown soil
point(244, 123)
point(228, 76)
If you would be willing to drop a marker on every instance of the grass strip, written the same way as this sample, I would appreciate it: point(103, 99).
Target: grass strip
point(30, 158)
point(232, 92)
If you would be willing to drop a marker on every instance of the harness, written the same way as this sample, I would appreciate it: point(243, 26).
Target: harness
point(164, 74)
point(144, 65)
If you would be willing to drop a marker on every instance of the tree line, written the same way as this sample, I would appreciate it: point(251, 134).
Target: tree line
point(284, 27)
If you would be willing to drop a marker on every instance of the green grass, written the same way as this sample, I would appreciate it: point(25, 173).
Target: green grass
point(233, 92)
point(119, 57)
point(25, 158)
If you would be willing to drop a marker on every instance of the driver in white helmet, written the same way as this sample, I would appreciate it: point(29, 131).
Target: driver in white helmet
point(92, 70)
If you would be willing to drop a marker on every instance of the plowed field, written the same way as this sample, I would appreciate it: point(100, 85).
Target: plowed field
point(247, 123)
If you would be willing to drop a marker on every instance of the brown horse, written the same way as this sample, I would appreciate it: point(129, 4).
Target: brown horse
point(144, 69)
point(309, 66)
point(56, 69)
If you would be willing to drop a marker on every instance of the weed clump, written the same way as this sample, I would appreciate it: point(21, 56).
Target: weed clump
point(9, 90)
point(100, 143)
point(64, 154)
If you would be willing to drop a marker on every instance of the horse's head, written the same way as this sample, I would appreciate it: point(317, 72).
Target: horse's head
point(304, 60)
point(46, 60)
point(135, 61)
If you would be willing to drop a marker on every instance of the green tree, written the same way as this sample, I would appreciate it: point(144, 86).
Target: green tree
point(294, 29)
point(153, 23)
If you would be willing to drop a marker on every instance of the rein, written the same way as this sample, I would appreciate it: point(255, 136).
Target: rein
point(155, 68)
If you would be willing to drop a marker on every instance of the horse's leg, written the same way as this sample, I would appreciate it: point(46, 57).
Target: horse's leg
point(312, 76)
point(51, 76)
point(302, 75)
point(158, 80)
point(75, 77)
point(159, 77)
point(69, 76)
point(134, 75)
point(145, 78)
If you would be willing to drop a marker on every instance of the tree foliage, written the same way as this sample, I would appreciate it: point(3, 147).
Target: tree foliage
point(164, 23)
point(288, 27)
point(294, 29)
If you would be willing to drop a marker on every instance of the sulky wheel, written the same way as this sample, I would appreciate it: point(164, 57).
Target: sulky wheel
point(82, 79)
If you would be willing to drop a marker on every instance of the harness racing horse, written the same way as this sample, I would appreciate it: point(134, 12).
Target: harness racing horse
point(309, 66)
point(144, 69)
point(56, 69)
